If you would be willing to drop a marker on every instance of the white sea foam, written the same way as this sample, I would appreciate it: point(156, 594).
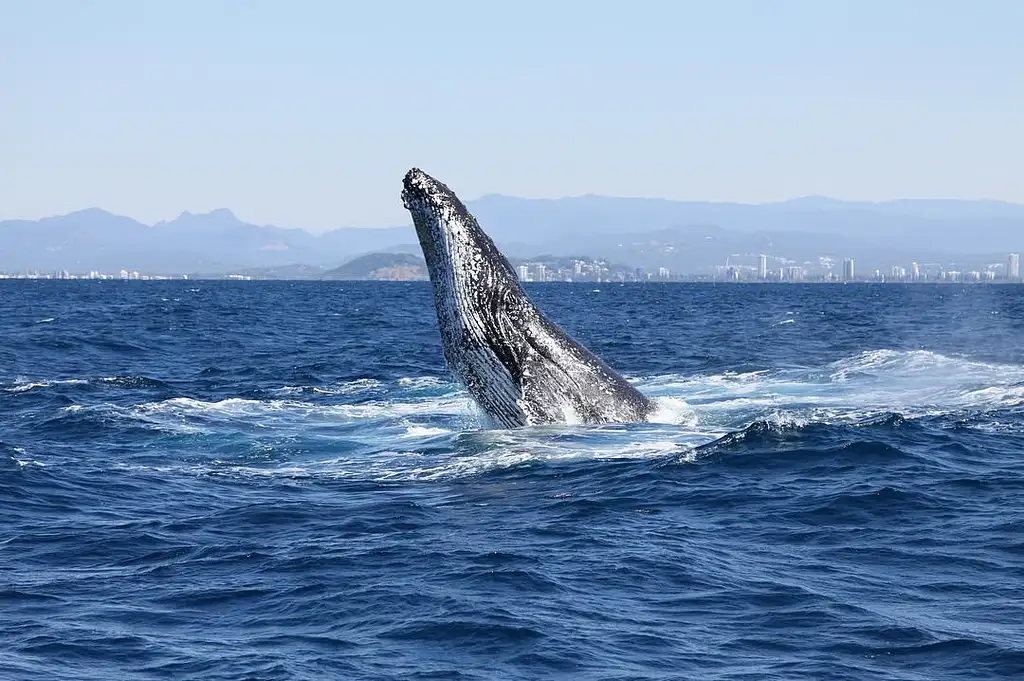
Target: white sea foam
point(497, 450)
point(673, 411)
point(350, 388)
point(427, 428)
point(22, 385)
point(362, 385)
point(288, 390)
point(421, 382)
point(425, 431)
point(25, 387)
point(914, 383)
point(22, 458)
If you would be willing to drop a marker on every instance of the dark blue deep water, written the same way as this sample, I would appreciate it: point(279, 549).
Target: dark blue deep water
point(242, 480)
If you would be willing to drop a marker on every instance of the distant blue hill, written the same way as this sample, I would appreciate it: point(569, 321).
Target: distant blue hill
point(217, 241)
point(644, 232)
point(955, 226)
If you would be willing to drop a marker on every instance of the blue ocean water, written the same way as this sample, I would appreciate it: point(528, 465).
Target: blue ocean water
point(274, 480)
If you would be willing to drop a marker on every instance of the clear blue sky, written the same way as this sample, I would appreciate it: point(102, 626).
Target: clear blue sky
point(307, 113)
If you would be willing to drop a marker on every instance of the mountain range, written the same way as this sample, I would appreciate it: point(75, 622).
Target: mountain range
point(684, 236)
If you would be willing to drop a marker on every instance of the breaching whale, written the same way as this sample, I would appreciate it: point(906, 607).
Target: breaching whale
point(518, 365)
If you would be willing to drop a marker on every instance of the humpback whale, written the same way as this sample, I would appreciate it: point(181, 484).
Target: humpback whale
point(521, 368)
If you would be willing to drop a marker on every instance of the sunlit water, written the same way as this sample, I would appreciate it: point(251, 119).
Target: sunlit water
point(227, 480)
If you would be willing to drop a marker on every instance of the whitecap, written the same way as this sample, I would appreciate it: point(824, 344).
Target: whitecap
point(22, 386)
point(673, 411)
point(425, 431)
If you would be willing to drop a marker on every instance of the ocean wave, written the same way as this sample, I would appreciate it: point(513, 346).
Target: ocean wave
point(24, 385)
point(444, 459)
point(917, 383)
point(415, 428)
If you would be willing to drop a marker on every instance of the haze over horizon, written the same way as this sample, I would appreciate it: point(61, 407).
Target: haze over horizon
point(308, 115)
point(470, 200)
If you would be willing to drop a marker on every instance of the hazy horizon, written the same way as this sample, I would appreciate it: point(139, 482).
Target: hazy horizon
point(470, 200)
point(308, 115)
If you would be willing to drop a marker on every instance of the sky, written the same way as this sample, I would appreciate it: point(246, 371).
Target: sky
point(307, 113)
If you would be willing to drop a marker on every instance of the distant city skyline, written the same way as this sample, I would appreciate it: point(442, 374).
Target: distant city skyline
point(400, 267)
point(307, 114)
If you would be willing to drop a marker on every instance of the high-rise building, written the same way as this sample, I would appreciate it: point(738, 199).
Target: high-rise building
point(848, 269)
point(762, 267)
point(915, 271)
point(524, 273)
point(1013, 267)
point(542, 272)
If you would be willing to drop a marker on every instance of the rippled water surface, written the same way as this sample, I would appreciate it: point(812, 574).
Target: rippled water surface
point(243, 480)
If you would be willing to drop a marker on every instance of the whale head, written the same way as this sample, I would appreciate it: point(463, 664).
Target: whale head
point(479, 300)
point(457, 251)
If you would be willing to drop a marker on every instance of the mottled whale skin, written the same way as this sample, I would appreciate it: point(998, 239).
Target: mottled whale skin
point(519, 366)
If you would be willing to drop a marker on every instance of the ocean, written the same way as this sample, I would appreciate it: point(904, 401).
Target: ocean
point(278, 480)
